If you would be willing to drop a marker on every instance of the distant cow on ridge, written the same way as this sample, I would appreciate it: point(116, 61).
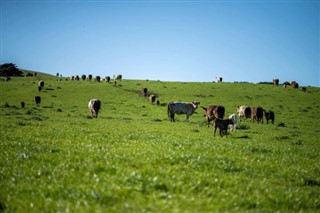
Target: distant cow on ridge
point(219, 79)
point(117, 77)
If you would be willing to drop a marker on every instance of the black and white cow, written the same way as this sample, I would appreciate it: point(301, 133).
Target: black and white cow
point(94, 107)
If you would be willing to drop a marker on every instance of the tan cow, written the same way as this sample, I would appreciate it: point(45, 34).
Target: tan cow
point(180, 108)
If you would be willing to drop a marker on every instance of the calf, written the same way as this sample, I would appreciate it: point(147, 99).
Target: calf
point(257, 114)
point(222, 125)
point(94, 107)
point(269, 116)
point(213, 112)
point(233, 126)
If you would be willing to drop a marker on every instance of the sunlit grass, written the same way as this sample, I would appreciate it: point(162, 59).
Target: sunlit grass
point(132, 158)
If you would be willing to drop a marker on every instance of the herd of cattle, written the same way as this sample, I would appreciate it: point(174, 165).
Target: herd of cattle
point(216, 113)
point(213, 113)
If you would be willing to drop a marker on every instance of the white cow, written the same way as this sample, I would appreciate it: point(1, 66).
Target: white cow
point(94, 107)
point(233, 126)
point(219, 79)
point(180, 108)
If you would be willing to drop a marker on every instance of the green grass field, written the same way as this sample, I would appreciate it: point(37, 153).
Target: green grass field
point(55, 158)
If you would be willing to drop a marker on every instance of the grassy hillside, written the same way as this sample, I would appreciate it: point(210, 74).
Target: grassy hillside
point(54, 157)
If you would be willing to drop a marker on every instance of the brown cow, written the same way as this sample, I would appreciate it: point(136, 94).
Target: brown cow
point(257, 114)
point(213, 112)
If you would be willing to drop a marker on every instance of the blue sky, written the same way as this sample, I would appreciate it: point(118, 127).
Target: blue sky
point(165, 40)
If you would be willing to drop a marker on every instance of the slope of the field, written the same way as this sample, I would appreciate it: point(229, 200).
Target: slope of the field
point(55, 158)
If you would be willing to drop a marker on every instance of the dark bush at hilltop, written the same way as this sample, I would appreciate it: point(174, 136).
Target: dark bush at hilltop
point(10, 69)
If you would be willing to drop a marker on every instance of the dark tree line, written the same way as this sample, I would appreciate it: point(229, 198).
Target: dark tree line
point(10, 69)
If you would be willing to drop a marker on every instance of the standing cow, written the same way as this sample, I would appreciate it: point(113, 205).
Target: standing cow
point(219, 79)
point(257, 114)
point(144, 91)
point(213, 112)
point(269, 116)
point(37, 99)
point(117, 77)
point(222, 125)
point(152, 98)
point(40, 85)
point(244, 112)
point(94, 107)
point(233, 126)
point(180, 108)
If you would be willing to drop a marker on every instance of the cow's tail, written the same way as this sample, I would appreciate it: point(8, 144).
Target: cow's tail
point(169, 109)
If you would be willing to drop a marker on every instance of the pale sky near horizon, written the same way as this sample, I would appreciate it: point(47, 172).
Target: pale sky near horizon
point(250, 41)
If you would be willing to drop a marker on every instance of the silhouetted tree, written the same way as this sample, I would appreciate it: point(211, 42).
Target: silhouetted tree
point(9, 69)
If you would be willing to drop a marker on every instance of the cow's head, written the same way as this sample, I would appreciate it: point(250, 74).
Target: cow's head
point(195, 104)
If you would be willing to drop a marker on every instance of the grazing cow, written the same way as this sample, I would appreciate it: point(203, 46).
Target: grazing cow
point(94, 107)
point(257, 114)
point(83, 77)
point(213, 112)
point(294, 85)
point(22, 105)
point(41, 84)
point(269, 116)
point(222, 125)
point(108, 79)
point(77, 78)
point(233, 126)
point(244, 112)
point(158, 103)
point(89, 77)
point(37, 99)
point(152, 98)
point(304, 89)
point(276, 82)
point(144, 92)
point(117, 77)
point(180, 108)
point(98, 78)
point(219, 79)
point(7, 79)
